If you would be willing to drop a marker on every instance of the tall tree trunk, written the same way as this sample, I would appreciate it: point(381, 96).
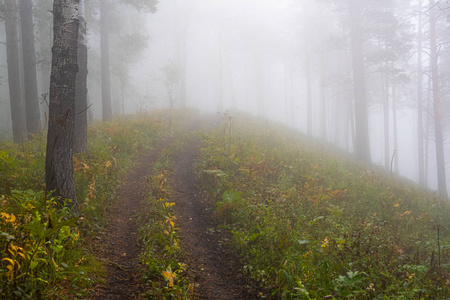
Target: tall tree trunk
point(428, 122)
point(260, 81)
point(395, 127)
point(362, 146)
point(33, 116)
point(81, 103)
point(439, 139)
point(420, 140)
point(183, 71)
point(323, 98)
point(12, 57)
point(309, 110)
point(59, 175)
point(387, 154)
point(220, 72)
point(286, 91)
point(105, 61)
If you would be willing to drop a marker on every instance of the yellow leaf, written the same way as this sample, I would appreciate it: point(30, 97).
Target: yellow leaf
point(9, 260)
point(169, 276)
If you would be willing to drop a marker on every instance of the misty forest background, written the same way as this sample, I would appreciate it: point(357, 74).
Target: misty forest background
point(370, 77)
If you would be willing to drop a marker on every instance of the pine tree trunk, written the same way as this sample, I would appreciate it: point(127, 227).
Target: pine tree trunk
point(308, 81)
point(362, 146)
point(105, 61)
point(387, 156)
point(219, 77)
point(12, 57)
point(33, 116)
point(438, 134)
point(395, 127)
point(420, 140)
point(59, 173)
point(81, 103)
point(323, 98)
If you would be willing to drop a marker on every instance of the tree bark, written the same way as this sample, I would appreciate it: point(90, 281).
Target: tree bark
point(33, 116)
point(12, 57)
point(59, 173)
point(105, 61)
point(438, 134)
point(362, 147)
point(81, 103)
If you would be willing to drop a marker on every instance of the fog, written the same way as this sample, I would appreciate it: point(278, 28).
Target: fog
point(292, 62)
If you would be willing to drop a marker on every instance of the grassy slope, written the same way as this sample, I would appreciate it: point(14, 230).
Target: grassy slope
point(309, 223)
point(312, 224)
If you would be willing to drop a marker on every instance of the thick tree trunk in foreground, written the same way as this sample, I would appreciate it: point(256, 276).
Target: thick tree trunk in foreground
point(12, 56)
point(438, 134)
point(33, 116)
point(362, 147)
point(81, 103)
point(59, 175)
point(104, 49)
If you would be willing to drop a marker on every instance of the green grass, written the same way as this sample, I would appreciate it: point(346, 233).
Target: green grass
point(308, 223)
point(58, 260)
point(165, 275)
point(311, 223)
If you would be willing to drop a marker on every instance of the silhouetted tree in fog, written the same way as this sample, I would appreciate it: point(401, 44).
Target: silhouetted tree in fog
point(81, 93)
point(437, 101)
point(362, 147)
point(33, 117)
point(105, 61)
point(12, 54)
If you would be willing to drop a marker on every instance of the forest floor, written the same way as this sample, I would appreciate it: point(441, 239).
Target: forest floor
point(216, 270)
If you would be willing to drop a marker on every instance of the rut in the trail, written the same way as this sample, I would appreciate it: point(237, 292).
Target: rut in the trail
point(216, 268)
point(121, 248)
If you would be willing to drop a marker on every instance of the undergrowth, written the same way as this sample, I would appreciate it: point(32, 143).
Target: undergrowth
point(165, 275)
point(312, 224)
point(44, 252)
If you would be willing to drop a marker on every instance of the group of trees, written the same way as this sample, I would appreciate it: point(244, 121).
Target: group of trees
point(349, 70)
point(68, 93)
point(342, 70)
point(386, 38)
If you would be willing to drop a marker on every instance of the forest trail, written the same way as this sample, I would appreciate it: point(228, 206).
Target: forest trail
point(216, 271)
point(121, 247)
point(215, 267)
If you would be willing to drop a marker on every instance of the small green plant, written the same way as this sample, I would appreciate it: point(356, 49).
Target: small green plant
point(165, 275)
point(38, 241)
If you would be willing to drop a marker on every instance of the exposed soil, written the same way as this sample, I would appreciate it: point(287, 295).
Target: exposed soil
point(120, 246)
point(216, 269)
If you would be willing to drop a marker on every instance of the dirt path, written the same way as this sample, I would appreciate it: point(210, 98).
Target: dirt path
point(216, 268)
point(217, 272)
point(120, 246)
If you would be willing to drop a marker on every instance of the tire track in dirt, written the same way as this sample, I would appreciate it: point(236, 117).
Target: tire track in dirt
point(121, 246)
point(217, 270)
